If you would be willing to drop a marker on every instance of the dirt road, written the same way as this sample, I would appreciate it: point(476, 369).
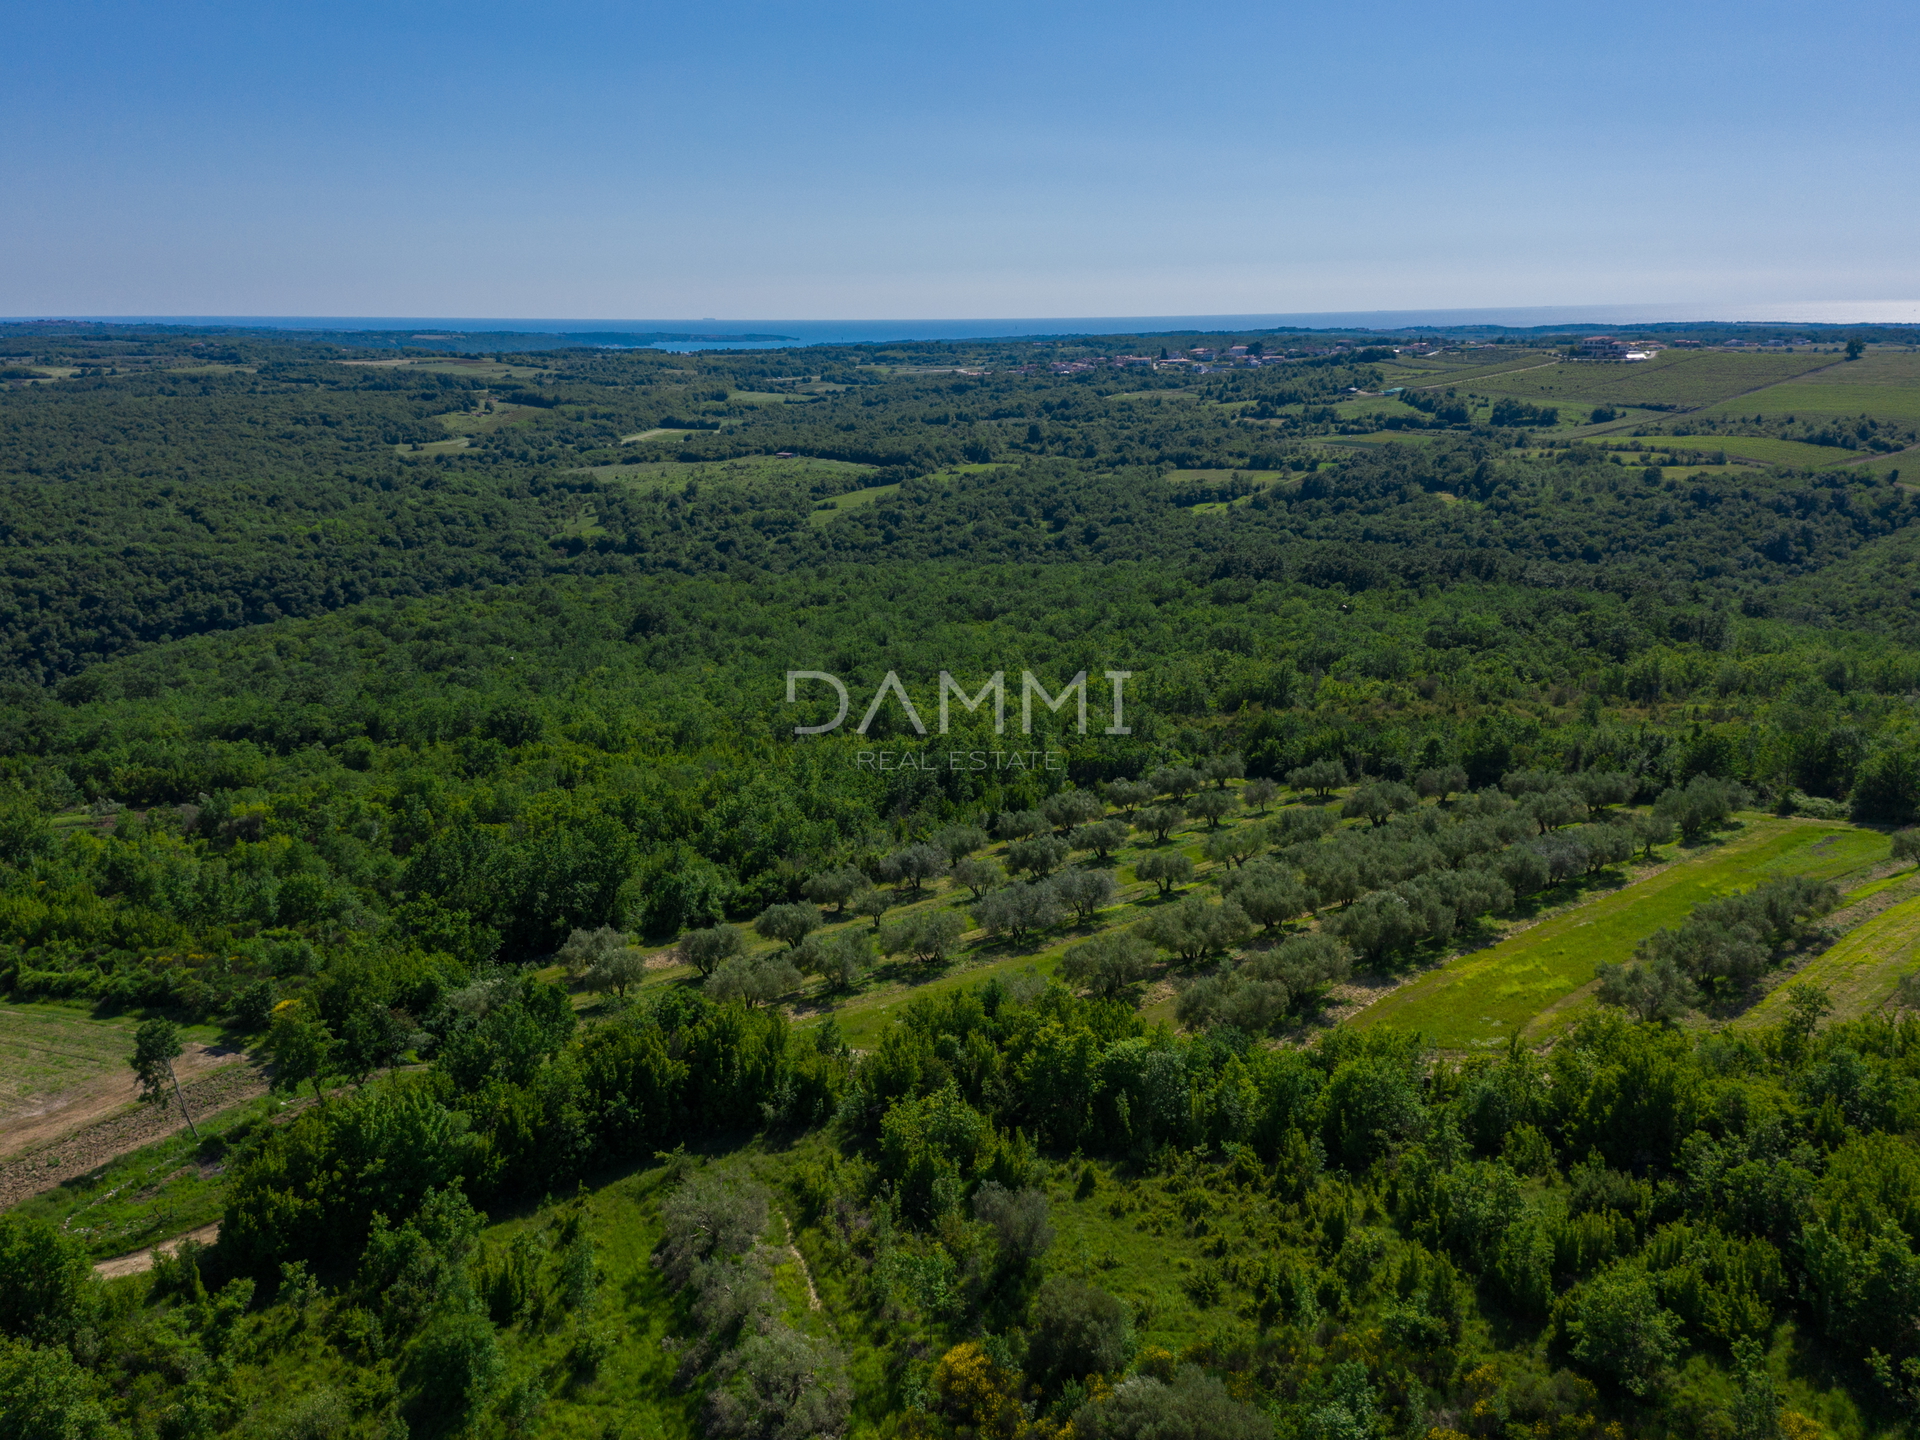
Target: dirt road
point(67, 1156)
point(142, 1260)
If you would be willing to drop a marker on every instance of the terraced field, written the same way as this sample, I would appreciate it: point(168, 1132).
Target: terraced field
point(1862, 969)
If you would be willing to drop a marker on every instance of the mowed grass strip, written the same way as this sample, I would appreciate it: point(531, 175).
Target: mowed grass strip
point(1480, 999)
point(1861, 970)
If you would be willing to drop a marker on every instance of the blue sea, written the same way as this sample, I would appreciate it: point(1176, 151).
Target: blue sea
point(716, 333)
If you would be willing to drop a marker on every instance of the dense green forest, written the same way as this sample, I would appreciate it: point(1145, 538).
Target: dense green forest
point(421, 723)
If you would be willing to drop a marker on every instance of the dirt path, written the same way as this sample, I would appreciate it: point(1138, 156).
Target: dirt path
point(813, 1296)
point(75, 1154)
point(141, 1261)
point(52, 1116)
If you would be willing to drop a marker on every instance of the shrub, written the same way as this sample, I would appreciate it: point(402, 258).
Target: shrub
point(47, 1289)
point(712, 1215)
point(1077, 1330)
point(1018, 1219)
point(777, 1384)
point(1195, 1406)
point(1618, 1328)
point(455, 1367)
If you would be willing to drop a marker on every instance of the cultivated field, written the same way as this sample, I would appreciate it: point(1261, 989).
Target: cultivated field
point(1675, 377)
point(1885, 384)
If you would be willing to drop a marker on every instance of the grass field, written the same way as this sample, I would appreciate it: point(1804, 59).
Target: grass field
point(1463, 369)
point(668, 474)
point(852, 500)
point(1526, 982)
point(1759, 447)
point(1861, 969)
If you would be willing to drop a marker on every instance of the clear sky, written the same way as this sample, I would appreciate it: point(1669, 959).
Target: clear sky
point(744, 159)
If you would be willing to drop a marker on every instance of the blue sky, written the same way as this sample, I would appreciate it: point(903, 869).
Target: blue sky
point(757, 160)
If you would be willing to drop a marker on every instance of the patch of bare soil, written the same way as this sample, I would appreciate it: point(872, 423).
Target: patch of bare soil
point(52, 1116)
point(57, 1161)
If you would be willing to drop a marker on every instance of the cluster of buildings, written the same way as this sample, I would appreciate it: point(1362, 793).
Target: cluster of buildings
point(1607, 347)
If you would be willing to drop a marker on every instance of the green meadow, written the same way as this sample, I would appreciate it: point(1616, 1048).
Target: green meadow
point(1524, 983)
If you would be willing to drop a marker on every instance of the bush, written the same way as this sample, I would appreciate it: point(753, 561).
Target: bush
point(455, 1368)
point(1018, 1219)
point(44, 1395)
point(779, 1384)
point(47, 1289)
point(1618, 1328)
point(1077, 1330)
point(1195, 1406)
point(712, 1215)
